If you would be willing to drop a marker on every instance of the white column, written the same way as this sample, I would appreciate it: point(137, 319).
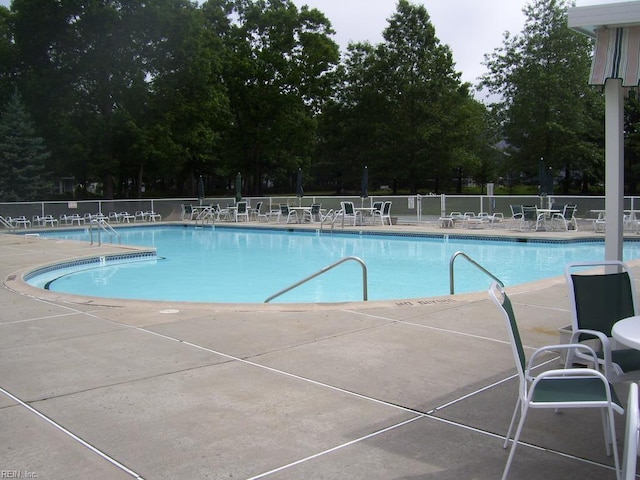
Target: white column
point(614, 169)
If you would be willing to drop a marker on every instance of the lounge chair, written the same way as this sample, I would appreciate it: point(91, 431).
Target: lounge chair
point(598, 300)
point(43, 220)
point(472, 220)
point(20, 221)
point(558, 388)
point(49, 220)
point(126, 217)
point(446, 222)
point(491, 220)
point(149, 216)
point(71, 219)
point(119, 217)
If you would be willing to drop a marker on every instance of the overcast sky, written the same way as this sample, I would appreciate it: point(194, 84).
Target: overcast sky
point(471, 28)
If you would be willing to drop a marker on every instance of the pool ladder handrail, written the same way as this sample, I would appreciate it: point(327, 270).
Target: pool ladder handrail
point(326, 269)
point(473, 262)
point(4, 222)
point(208, 213)
point(330, 218)
point(102, 224)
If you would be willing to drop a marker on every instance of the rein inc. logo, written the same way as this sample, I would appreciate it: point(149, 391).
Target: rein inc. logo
point(17, 474)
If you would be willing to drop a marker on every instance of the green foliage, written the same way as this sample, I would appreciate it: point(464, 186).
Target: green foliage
point(276, 61)
point(546, 109)
point(22, 155)
point(158, 93)
point(402, 110)
point(632, 142)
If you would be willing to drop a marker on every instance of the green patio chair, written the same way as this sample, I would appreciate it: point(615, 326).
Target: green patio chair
point(531, 219)
point(601, 293)
point(558, 388)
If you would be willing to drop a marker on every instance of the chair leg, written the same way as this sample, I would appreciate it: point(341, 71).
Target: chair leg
point(609, 428)
point(512, 452)
point(606, 431)
point(513, 420)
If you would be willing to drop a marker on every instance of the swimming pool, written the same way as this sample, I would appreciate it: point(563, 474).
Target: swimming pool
point(244, 265)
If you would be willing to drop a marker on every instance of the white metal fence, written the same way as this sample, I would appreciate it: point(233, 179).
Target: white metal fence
point(408, 209)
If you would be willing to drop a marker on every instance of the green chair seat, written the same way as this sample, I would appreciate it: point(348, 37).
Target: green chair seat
point(554, 390)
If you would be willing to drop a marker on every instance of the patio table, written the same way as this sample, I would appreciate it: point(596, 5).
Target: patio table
point(548, 213)
point(300, 212)
point(365, 212)
point(627, 331)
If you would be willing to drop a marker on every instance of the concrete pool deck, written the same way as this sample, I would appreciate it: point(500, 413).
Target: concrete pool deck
point(411, 389)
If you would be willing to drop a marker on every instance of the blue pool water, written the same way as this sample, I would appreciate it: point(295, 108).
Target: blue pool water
point(249, 265)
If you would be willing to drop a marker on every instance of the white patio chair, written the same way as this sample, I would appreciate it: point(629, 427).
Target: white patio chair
point(631, 443)
point(187, 212)
point(314, 214)
point(256, 212)
point(599, 298)
point(349, 213)
point(556, 389)
point(566, 219)
point(384, 214)
point(242, 211)
point(531, 219)
point(287, 214)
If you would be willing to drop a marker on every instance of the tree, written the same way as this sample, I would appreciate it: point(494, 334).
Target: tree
point(187, 110)
point(275, 69)
point(8, 54)
point(632, 142)
point(22, 155)
point(546, 109)
point(96, 73)
point(401, 104)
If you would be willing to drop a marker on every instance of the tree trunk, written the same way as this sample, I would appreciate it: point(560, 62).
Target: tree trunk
point(107, 186)
point(139, 182)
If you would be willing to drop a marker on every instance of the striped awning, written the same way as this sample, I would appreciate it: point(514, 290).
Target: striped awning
point(616, 55)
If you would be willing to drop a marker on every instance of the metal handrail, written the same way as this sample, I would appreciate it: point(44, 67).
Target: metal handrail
point(326, 269)
point(473, 262)
point(331, 217)
point(205, 214)
point(102, 225)
point(6, 223)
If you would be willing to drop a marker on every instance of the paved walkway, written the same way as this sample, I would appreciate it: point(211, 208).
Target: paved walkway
point(417, 389)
